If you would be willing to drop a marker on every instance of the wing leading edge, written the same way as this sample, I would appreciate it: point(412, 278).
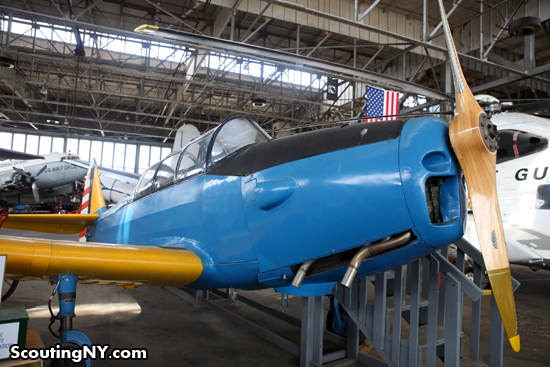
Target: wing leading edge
point(127, 265)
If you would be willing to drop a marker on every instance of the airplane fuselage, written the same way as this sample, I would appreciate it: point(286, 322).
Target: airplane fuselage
point(332, 191)
point(56, 180)
point(524, 188)
point(523, 184)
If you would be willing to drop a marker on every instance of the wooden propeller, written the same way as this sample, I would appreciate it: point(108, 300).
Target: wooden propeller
point(475, 142)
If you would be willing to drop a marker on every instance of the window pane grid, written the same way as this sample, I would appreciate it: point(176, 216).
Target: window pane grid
point(119, 156)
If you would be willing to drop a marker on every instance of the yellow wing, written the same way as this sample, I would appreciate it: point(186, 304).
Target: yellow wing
point(34, 258)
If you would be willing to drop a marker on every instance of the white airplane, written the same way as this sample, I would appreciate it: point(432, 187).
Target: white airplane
point(32, 179)
point(118, 185)
point(523, 184)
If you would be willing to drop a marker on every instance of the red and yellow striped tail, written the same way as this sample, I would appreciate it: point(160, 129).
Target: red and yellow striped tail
point(92, 197)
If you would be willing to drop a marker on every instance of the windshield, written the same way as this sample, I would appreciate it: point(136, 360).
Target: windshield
point(193, 159)
point(143, 187)
point(231, 136)
point(235, 134)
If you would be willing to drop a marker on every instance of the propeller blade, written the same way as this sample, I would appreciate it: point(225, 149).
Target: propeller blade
point(21, 172)
point(35, 192)
point(475, 142)
point(41, 171)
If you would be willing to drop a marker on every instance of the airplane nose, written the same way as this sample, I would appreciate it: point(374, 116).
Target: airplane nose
point(432, 181)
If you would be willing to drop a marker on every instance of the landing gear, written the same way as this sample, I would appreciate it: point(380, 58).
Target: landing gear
point(66, 290)
point(8, 288)
point(337, 318)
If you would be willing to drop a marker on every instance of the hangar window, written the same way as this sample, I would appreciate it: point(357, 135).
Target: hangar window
point(45, 145)
point(543, 197)
point(235, 134)
point(145, 183)
point(167, 170)
point(32, 144)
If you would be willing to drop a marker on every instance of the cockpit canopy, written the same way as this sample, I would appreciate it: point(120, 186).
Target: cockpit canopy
point(200, 154)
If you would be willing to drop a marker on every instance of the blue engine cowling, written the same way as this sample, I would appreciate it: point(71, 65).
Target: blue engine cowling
point(336, 202)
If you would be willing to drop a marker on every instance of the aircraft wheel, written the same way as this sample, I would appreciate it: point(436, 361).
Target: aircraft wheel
point(333, 326)
point(67, 362)
point(9, 288)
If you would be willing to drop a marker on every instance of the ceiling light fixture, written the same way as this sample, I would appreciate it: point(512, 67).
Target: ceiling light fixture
point(259, 102)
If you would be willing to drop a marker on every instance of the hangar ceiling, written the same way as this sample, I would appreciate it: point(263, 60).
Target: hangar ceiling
point(125, 85)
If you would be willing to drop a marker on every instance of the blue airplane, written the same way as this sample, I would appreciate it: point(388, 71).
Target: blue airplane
point(255, 209)
point(248, 211)
point(236, 208)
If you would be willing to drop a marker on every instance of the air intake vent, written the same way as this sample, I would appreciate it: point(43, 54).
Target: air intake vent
point(433, 191)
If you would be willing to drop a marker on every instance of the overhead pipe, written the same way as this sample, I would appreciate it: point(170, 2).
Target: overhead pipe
point(371, 250)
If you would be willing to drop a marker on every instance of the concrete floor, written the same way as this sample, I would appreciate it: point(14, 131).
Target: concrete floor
point(176, 334)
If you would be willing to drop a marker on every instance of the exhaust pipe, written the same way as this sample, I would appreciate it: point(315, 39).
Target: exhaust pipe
point(368, 251)
point(301, 273)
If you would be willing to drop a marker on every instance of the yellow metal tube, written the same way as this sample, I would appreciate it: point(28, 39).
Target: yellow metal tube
point(38, 258)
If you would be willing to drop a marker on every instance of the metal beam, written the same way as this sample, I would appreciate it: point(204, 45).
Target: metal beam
point(89, 8)
point(329, 34)
point(509, 79)
point(244, 38)
point(257, 30)
point(129, 73)
point(259, 52)
point(373, 5)
point(84, 133)
point(455, 5)
point(425, 20)
point(299, 62)
point(416, 42)
point(505, 27)
point(177, 19)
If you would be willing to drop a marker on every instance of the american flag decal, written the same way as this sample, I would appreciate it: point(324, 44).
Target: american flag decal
point(381, 102)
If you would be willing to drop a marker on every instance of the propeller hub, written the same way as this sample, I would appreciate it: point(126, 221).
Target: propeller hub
point(488, 132)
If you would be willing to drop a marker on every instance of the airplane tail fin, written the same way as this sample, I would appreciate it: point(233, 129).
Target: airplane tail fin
point(92, 197)
point(184, 135)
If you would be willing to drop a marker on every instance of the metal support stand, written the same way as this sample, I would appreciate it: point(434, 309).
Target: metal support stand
point(311, 342)
point(66, 291)
point(431, 306)
point(414, 317)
